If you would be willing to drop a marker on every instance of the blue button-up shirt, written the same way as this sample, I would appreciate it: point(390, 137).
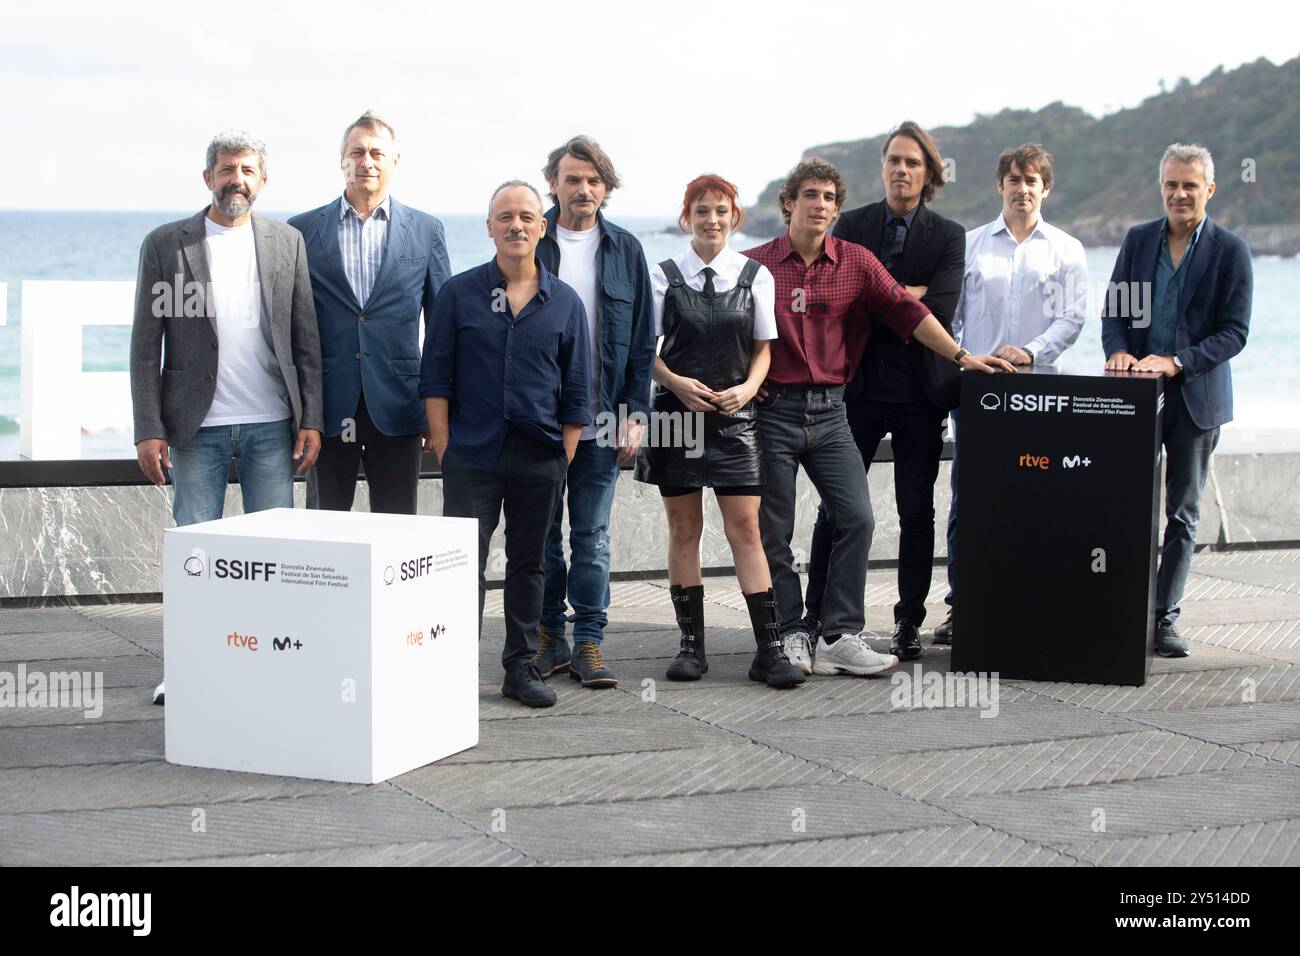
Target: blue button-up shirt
point(500, 370)
point(1165, 295)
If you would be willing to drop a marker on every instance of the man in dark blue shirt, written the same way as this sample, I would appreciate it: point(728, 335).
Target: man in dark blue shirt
point(505, 379)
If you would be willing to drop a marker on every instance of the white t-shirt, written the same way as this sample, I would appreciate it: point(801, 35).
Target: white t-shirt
point(727, 264)
point(578, 270)
point(250, 386)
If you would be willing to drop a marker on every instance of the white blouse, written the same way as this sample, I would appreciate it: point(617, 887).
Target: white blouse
point(727, 265)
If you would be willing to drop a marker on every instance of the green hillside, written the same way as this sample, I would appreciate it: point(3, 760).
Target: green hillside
point(1106, 169)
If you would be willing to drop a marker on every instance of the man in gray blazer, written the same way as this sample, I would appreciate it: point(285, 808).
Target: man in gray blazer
point(225, 297)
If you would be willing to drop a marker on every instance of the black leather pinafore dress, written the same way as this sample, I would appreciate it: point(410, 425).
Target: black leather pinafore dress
point(708, 337)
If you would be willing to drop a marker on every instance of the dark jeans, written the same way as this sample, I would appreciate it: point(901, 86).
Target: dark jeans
point(526, 481)
point(1187, 464)
point(807, 426)
point(392, 469)
point(917, 438)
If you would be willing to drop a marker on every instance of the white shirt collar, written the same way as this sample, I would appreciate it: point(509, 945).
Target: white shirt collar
point(692, 265)
point(1000, 225)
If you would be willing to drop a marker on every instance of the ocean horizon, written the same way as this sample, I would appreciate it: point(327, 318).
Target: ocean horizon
point(95, 245)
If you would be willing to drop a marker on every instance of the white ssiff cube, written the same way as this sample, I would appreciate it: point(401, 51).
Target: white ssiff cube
point(322, 644)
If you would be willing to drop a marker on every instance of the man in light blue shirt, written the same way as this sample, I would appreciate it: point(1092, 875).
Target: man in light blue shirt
point(1024, 293)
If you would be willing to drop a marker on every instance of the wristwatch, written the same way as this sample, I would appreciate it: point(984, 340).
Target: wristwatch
point(1178, 362)
point(961, 354)
point(1029, 353)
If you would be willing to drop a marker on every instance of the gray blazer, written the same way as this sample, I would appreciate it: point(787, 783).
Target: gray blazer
point(173, 318)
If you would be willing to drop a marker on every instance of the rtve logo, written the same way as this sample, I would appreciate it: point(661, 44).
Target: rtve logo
point(247, 641)
point(1042, 462)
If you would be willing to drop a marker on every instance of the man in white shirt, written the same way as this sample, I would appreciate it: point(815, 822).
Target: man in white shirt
point(224, 299)
point(606, 266)
point(1024, 293)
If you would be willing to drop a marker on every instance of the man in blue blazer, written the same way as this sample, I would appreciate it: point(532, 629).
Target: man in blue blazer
point(1180, 307)
point(375, 264)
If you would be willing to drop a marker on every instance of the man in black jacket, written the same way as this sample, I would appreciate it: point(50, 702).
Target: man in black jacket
point(904, 390)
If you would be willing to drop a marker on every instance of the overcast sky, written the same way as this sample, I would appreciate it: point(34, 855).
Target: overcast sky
point(110, 106)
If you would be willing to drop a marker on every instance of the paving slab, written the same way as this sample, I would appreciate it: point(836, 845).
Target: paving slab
point(91, 742)
point(149, 784)
point(572, 736)
point(962, 845)
point(727, 767)
point(1188, 690)
point(89, 837)
point(1274, 843)
point(1046, 764)
point(714, 820)
point(1065, 817)
point(52, 645)
point(1244, 723)
point(835, 741)
point(463, 851)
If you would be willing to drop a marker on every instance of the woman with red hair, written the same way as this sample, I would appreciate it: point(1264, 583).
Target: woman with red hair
point(715, 312)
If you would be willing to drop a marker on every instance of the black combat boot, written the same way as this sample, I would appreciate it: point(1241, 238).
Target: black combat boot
point(688, 604)
point(770, 665)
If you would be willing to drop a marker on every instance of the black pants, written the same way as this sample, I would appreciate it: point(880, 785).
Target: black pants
point(917, 434)
point(526, 481)
point(392, 469)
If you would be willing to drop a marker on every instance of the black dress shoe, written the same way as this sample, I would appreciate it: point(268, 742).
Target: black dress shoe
point(525, 685)
point(906, 645)
point(943, 633)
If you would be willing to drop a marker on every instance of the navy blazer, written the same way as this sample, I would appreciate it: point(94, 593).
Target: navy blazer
point(1213, 312)
point(377, 348)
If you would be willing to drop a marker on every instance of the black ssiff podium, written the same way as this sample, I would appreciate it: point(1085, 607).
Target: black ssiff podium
point(1058, 495)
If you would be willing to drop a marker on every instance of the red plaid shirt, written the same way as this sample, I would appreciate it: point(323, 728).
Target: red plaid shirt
point(824, 311)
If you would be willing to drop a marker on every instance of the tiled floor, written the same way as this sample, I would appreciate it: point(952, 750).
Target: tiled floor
point(1200, 766)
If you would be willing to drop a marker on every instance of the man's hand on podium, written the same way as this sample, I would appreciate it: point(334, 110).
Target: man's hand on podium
point(1160, 364)
point(1014, 355)
point(986, 363)
point(1156, 364)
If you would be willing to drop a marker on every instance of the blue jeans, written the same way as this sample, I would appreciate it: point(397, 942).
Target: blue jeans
point(263, 454)
point(592, 477)
point(1187, 464)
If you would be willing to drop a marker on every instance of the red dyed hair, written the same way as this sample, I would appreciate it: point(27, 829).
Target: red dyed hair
point(710, 183)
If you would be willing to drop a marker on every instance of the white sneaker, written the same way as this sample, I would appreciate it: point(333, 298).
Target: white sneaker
point(797, 648)
point(158, 694)
point(850, 655)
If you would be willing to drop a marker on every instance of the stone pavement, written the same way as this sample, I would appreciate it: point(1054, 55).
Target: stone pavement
point(1200, 766)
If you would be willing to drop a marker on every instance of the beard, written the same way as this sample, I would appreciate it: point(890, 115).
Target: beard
point(233, 203)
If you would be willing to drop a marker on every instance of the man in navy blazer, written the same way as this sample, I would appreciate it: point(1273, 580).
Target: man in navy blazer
point(375, 264)
point(1179, 306)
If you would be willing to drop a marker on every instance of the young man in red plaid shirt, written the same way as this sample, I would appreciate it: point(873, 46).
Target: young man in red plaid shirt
point(828, 295)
